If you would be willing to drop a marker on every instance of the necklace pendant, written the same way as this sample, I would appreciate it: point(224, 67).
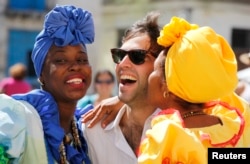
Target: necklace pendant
point(68, 139)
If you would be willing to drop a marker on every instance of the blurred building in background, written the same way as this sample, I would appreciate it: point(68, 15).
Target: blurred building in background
point(21, 20)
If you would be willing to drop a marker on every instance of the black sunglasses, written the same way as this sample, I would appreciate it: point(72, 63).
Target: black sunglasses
point(137, 56)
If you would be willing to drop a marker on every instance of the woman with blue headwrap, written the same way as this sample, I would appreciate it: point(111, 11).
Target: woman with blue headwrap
point(45, 128)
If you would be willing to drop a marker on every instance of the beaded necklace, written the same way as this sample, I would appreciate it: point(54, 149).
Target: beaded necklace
point(192, 113)
point(68, 139)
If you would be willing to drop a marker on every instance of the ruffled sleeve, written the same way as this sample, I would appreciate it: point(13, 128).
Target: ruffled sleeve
point(167, 142)
point(12, 128)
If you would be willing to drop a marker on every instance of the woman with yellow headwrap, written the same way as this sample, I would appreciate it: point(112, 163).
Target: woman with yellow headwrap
point(194, 81)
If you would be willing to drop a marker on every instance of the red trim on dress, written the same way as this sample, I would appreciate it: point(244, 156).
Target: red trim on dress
point(234, 140)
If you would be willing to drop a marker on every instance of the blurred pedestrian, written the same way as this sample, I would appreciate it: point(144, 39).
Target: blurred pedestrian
point(243, 87)
point(245, 58)
point(243, 90)
point(104, 82)
point(16, 82)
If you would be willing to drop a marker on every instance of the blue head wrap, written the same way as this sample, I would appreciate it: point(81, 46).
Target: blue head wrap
point(64, 25)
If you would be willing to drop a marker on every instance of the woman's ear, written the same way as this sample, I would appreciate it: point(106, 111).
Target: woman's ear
point(164, 89)
point(164, 85)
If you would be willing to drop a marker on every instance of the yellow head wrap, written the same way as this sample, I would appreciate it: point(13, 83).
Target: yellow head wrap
point(200, 65)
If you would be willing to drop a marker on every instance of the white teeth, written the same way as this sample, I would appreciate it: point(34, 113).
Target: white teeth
point(76, 81)
point(127, 77)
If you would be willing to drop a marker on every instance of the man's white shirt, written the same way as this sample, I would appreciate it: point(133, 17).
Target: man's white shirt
point(109, 146)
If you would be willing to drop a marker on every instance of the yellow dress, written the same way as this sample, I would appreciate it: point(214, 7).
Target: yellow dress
point(169, 142)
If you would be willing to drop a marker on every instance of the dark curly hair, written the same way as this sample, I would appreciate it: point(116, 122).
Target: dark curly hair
point(149, 25)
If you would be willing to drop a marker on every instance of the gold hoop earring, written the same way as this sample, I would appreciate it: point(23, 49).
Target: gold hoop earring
point(165, 94)
point(41, 83)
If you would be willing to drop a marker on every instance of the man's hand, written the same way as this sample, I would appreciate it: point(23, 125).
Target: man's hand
point(105, 111)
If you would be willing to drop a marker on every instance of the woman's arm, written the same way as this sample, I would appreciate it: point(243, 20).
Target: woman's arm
point(106, 112)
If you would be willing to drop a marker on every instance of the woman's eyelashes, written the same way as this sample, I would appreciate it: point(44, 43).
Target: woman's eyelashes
point(80, 60)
